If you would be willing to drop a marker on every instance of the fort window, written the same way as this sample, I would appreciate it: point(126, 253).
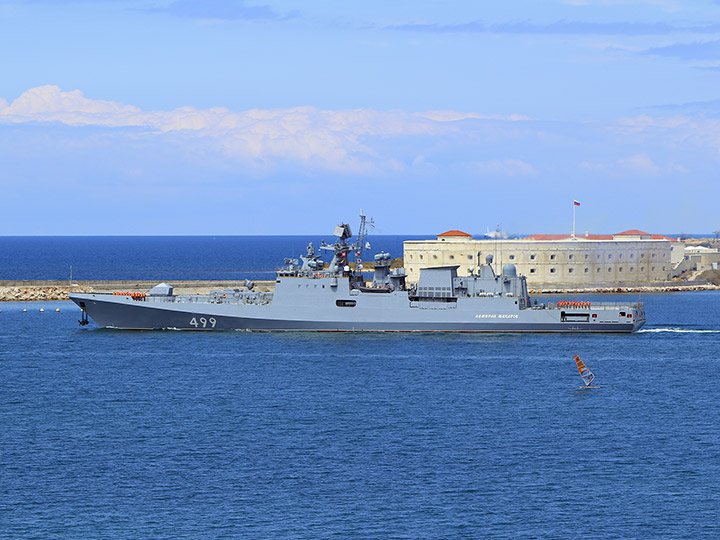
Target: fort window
point(631, 269)
point(620, 269)
point(597, 270)
point(552, 257)
point(632, 255)
point(532, 270)
point(552, 270)
point(532, 256)
point(570, 256)
point(434, 256)
point(452, 257)
point(512, 257)
point(470, 258)
point(609, 269)
point(642, 268)
point(586, 270)
point(653, 255)
point(609, 255)
point(570, 270)
point(586, 256)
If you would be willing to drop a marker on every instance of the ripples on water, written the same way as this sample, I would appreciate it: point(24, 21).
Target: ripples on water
point(112, 434)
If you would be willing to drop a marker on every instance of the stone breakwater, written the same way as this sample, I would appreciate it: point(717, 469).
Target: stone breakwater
point(23, 291)
point(40, 290)
point(31, 293)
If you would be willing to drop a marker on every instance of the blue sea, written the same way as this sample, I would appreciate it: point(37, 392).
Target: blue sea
point(174, 435)
point(162, 257)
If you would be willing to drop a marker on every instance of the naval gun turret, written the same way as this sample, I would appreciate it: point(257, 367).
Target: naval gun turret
point(311, 260)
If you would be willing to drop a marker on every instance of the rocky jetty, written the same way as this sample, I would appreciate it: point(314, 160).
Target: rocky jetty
point(34, 292)
point(23, 291)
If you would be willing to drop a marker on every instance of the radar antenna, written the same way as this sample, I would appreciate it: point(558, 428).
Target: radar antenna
point(362, 232)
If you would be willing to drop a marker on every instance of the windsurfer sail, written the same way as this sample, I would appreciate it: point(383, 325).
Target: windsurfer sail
point(585, 373)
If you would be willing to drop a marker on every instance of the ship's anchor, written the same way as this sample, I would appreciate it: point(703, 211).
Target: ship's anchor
point(83, 317)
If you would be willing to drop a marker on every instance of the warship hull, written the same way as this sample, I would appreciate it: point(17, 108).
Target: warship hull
point(313, 304)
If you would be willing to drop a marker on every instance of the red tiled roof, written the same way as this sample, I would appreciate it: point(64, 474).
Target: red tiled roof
point(567, 237)
point(455, 233)
point(633, 232)
point(663, 237)
point(547, 237)
point(598, 236)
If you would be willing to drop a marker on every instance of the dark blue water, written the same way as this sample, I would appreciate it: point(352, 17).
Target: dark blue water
point(169, 435)
point(160, 257)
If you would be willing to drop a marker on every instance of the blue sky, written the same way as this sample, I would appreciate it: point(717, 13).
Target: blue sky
point(240, 117)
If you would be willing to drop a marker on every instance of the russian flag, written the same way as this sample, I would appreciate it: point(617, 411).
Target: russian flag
point(576, 203)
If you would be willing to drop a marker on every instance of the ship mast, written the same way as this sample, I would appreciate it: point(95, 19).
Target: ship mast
point(362, 232)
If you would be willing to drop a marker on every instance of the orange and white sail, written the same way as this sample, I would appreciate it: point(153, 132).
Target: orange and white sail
point(585, 373)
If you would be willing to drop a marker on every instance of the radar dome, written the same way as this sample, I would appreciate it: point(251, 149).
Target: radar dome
point(509, 270)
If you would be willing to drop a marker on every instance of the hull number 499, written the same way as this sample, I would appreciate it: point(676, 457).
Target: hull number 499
point(202, 322)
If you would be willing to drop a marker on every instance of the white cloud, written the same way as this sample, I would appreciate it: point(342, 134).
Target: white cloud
point(456, 116)
point(318, 139)
point(637, 165)
point(695, 131)
point(375, 143)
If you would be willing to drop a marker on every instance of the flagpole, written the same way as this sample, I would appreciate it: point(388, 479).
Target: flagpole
point(575, 203)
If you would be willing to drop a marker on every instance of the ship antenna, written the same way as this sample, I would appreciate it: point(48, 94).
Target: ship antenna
point(362, 232)
point(500, 238)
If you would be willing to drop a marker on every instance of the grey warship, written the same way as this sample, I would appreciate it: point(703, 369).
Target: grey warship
point(311, 295)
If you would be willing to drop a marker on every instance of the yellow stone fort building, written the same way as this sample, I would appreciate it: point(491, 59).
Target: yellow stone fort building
point(590, 260)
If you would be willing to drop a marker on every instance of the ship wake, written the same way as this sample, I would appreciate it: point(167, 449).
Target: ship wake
point(677, 331)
